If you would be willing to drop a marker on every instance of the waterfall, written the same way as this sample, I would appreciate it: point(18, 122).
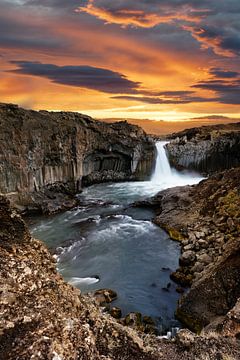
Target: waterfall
point(162, 167)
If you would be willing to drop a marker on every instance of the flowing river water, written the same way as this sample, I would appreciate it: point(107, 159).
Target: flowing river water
point(106, 243)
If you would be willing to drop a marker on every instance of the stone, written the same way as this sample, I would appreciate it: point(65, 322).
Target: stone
point(198, 267)
point(188, 247)
point(116, 312)
point(185, 338)
point(105, 295)
point(205, 259)
point(148, 320)
point(180, 290)
point(202, 243)
point(182, 279)
point(187, 258)
point(133, 319)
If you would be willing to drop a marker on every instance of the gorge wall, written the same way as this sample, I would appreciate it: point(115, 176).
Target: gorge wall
point(48, 156)
point(43, 317)
point(206, 149)
point(205, 219)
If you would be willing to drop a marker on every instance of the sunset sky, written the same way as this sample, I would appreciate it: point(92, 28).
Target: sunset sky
point(156, 59)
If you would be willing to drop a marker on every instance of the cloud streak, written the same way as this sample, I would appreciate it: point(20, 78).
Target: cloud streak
point(203, 19)
point(144, 13)
point(81, 76)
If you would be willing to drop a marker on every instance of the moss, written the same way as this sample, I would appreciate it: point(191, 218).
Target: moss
point(173, 233)
point(189, 321)
point(182, 279)
point(229, 205)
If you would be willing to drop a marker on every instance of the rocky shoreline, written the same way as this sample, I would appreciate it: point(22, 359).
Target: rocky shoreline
point(205, 218)
point(42, 317)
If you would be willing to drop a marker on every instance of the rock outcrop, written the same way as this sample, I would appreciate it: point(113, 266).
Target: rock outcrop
point(46, 157)
point(206, 149)
point(42, 317)
point(205, 218)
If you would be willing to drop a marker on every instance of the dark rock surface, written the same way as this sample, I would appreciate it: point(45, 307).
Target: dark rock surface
point(206, 219)
point(206, 149)
point(42, 317)
point(45, 157)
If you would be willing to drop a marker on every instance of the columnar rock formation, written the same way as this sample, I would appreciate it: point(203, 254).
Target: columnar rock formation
point(47, 153)
point(206, 149)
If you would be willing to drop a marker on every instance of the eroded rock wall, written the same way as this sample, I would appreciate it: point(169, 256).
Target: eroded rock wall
point(205, 218)
point(206, 149)
point(43, 317)
point(49, 151)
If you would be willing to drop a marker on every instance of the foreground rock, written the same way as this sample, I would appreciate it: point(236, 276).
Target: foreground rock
point(206, 219)
point(207, 148)
point(42, 317)
point(46, 157)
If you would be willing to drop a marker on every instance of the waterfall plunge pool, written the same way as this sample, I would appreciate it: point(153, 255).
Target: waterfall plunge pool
point(104, 243)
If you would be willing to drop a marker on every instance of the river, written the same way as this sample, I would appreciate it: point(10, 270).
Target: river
point(106, 243)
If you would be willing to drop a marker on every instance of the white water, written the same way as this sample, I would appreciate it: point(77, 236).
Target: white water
point(163, 177)
point(119, 243)
point(162, 168)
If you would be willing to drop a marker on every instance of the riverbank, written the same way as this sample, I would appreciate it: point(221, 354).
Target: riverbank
point(42, 317)
point(205, 219)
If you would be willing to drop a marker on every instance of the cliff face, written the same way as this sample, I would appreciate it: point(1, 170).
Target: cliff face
point(55, 153)
point(206, 149)
point(205, 218)
point(42, 317)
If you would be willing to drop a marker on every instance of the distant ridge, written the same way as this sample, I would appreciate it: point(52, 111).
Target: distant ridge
point(162, 127)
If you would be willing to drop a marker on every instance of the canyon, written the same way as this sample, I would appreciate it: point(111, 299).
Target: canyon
point(206, 149)
point(48, 158)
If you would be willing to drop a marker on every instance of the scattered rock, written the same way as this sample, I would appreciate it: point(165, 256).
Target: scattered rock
point(105, 296)
point(116, 312)
point(187, 258)
point(185, 338)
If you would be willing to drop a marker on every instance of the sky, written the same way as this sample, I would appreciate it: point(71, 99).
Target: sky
point(155, 59)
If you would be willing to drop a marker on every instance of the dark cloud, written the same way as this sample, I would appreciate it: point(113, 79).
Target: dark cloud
point(56, 4)
point(226, 92)
point(175, 93)
point(158, 100)
point(219, 86)
point(223, 40)
point(81, 76)
point(215, 24)
point(17, 32)
point(221, 73)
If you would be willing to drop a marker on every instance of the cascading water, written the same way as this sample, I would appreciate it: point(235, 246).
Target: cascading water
point(162, 168)
point(106, 243)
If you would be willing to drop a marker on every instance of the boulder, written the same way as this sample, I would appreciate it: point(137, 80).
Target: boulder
point(187, 258)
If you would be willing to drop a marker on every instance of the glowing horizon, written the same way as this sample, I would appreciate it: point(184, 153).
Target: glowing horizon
point(163, 60)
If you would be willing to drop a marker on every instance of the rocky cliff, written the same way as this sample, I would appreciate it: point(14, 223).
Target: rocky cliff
point(206, 149)
point(46, 157)
point(205, 218)
point(42, 317)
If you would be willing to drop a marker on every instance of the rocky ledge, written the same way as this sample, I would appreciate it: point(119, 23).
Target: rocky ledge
point(206, 149)
point(46, 157)
point(205, 218)
point(42, 317)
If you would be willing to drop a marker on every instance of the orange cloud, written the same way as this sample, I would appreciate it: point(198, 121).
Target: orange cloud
point(211, 39)
point(142, 18)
